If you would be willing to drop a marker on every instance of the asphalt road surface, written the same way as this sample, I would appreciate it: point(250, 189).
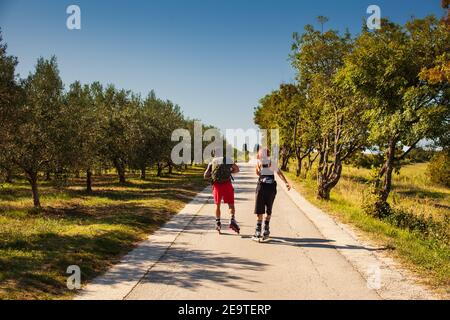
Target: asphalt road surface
point(298, 262)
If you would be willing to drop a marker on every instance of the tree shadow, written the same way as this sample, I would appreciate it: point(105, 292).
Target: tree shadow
point(194, 268)
point(43, 268)
point(417, 192)
point(315, 243)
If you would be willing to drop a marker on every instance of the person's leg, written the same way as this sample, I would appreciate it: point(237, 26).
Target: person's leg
point(218, 214)
point(270, 198)
point(233, 224)
point(258, 230)
point(228, 197)
point(217, 201)
point(259, 211)
point(232, 210)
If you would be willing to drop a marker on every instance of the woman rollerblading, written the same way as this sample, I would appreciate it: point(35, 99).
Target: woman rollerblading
point(266, 192)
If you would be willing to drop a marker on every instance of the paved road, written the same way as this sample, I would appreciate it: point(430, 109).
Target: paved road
point(299, 262)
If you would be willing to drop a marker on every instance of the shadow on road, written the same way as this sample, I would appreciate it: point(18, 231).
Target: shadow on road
point(314, 243)
point(195, 268)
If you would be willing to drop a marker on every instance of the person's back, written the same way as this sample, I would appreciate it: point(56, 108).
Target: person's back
point(220, 171)
point(221, 168)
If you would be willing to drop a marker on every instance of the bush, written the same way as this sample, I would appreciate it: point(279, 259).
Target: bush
point(426, 227)
point(372, 203)
point(419, 155)
point(366, 160)
point(439, 169)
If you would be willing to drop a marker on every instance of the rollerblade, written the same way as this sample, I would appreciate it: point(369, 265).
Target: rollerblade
point(266, 234)
point(258, 235)
point(234, 226)
point(218, 226)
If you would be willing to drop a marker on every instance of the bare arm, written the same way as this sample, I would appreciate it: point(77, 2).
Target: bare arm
point(207, 174)
point(235, 169)
point(258, 169)
point(281, 175)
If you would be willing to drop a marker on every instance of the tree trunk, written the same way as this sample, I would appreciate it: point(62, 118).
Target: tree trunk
point(89, 180)
point(48, 176)
point(121, 173)
point(32, 179)
point(170, 168)
point(328, 174)
point(285, 156)
point(143, 173)
point(122, 178)
point(284, 165)
point(159, 170)
point(311, 161)
point(299, 167)
point(8, 176)
point(120, 168)
point(327, 181)
point(323, 192)
point(387, 171)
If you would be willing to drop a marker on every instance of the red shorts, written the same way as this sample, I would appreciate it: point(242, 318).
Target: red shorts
point(223, 191)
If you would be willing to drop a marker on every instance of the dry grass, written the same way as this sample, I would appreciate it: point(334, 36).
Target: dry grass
point(414, 193)
point(74, 228)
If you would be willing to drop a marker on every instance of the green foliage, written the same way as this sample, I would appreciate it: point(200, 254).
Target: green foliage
point(439, 169)
point(424, 226)
point(372, 203)
point(366, 160)
point(419, 155)
point(384, 67)
point(46, 129)
point(385, 90)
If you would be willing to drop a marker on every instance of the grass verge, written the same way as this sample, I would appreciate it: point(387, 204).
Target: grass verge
point(74, 228)
point(429, 258)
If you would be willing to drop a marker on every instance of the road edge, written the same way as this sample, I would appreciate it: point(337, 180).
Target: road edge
point(372, 264)
point(122, 278)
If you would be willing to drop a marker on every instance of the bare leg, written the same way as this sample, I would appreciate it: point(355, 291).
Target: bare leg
point(233, 223)
point(218, 211)
point(232, 210)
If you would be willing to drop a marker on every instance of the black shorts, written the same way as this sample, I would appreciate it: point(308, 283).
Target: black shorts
point(265, 196)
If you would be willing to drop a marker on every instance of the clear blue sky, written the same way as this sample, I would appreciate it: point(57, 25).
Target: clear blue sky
point(215, 58)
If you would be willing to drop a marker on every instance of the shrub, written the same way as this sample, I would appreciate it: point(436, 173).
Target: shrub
point(439, 169)
point(366, 160)
point(425, 226)
point(372, 203)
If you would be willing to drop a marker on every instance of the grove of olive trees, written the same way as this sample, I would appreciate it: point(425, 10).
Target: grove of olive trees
point(49, 131)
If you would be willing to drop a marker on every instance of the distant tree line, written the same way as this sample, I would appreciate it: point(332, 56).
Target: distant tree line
point(384, 90)
point(49, 131)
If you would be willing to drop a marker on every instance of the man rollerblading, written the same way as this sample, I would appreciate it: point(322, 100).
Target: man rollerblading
point(220, 171)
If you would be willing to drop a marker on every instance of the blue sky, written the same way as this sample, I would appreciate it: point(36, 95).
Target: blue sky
point(215, 58)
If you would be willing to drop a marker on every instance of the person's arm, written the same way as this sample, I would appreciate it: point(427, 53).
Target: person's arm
point(235, 168)
point(281, 175)
point(258, 169)
point(207, 174)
